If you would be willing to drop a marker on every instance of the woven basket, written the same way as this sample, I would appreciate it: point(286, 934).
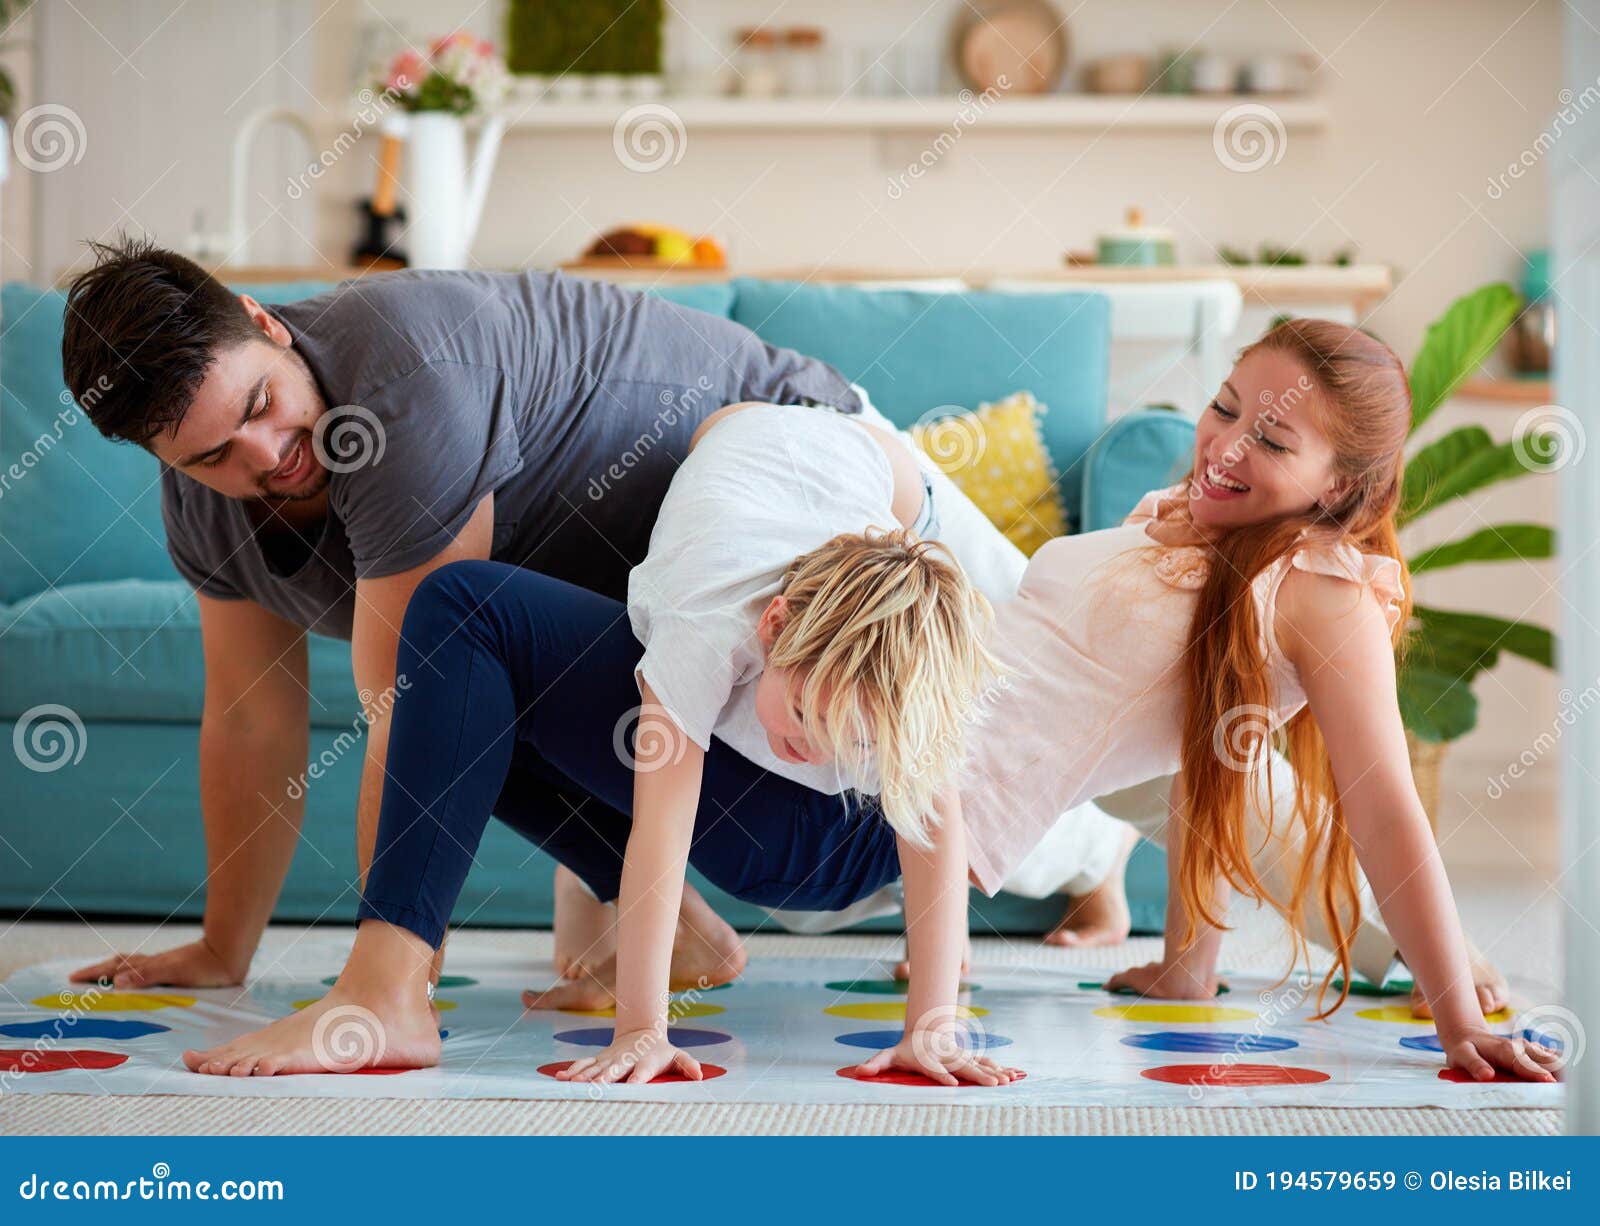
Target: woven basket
point(1427, 761)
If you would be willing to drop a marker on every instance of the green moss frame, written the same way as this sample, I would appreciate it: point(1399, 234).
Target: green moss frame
point(549, 37)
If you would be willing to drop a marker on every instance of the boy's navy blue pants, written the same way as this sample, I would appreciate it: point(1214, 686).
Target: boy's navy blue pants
point(515, 696)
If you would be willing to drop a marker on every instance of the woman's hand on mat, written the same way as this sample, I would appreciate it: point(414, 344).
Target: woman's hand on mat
point(939, 1055)
point(637, 1058)
point(1167, 980)
point(1479, 1053)
point(194, 965)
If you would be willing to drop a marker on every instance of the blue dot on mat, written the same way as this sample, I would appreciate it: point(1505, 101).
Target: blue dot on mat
point(71, 1027)
point(1208, 1041)
point(681, 1036)
point(1421, 1042)
point(877, 1040)
point(1430, 1042)
point(1545, 1040)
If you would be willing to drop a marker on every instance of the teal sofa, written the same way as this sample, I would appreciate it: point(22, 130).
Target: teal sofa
point(97, 629)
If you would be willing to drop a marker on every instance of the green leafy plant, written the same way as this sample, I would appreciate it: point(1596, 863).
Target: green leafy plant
point(10, 11)
point(1447, 649)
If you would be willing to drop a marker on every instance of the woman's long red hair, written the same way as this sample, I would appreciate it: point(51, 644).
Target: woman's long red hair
point(1362, 402)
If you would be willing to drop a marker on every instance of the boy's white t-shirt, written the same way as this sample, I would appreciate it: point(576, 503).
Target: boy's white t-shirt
point(761, 487)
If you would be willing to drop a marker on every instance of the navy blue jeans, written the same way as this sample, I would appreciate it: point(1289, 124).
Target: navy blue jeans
point(513, 698)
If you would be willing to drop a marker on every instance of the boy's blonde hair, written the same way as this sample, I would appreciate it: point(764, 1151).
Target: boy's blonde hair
point(889, 636)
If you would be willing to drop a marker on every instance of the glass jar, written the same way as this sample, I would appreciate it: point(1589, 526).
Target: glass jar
point(758, 64)
point(803, 68)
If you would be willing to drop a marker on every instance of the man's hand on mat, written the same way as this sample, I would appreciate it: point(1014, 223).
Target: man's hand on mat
point(188, 966)
point(1478, 1053)
point(637, 1058)
point(1167, 980)
point(938, 1055)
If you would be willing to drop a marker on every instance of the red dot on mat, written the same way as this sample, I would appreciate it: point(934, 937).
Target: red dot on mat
point(30, 1061)
point(1462, 1077)
point(901, 1077)
point(707, 1072)
point(1233, 1075)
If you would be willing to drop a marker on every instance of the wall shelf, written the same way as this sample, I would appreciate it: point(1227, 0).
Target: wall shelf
point(1058, 112)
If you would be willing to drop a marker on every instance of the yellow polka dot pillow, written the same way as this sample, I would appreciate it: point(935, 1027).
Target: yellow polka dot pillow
point(997, 457)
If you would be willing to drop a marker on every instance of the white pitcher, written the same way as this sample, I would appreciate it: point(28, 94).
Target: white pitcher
point(446, 199)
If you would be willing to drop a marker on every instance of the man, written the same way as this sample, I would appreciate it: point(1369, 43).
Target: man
point(321, 458)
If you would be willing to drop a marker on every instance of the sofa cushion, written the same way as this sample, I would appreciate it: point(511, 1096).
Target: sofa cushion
point(920, 354)
point(130, 650)
point(1141, 451)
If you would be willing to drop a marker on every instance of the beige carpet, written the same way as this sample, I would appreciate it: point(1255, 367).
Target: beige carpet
point(1253, 946)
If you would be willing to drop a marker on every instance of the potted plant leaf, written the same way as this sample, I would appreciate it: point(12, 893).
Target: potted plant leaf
point(1446, 649)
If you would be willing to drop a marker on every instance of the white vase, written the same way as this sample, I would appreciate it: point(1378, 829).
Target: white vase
point(446, 194)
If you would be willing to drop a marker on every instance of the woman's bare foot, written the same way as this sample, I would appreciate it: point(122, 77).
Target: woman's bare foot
point(376, 1016)
point(902, 968)
point(1100, 917)
point(586, 928)
point(706, 952)
point(1494, 993)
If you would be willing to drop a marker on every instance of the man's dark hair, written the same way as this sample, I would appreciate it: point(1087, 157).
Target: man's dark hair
point(143, 326)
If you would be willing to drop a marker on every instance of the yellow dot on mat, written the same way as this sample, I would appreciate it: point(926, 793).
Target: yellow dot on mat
point(114, 1002)
point(888, 1011)
point(444, 1006)
point(675, 1011)
point(1174, 1013)
point(1403, 1014)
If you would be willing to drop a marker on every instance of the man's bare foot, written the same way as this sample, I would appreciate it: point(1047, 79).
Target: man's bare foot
point(586, 928)
point(1494, 993)
point(1100, 917)
point(902, 968)
point(376, 1016)
point(706, 952)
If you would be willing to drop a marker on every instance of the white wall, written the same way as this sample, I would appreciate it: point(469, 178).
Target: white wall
point(1428, 100)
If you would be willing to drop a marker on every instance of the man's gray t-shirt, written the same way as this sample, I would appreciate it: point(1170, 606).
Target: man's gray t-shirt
point(572, 401)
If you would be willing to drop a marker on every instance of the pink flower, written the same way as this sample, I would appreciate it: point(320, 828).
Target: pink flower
point(406, 71)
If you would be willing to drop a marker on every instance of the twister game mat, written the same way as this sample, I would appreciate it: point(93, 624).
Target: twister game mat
point(786, 1032)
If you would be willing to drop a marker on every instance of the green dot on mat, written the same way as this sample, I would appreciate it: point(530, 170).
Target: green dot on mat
point(1389, 987)
point(1097, 985)
point(882, 987)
